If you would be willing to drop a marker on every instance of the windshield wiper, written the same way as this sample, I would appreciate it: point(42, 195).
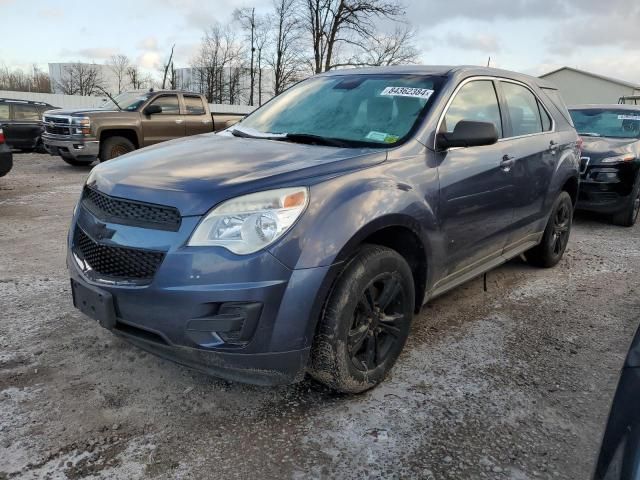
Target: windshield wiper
point(236, 132)
point(590, 134)
point(315, 139)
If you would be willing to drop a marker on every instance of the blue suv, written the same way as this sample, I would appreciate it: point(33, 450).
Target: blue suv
point(304, 238)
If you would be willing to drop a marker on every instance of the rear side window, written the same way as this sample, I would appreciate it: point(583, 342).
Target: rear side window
point(194, 105)
point(4, 111)
point(475, 101)
point(556, 99)
point(522, 110)
point(547, 123)
point(169, 104)
point(25, 112)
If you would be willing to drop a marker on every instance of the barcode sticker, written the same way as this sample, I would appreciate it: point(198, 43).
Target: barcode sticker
point(407, 92)
point(629, 117)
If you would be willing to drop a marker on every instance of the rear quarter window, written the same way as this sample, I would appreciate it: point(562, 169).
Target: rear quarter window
point(4, 111)
point(556, 99)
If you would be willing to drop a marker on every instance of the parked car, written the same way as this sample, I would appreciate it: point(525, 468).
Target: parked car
point(6, 157)
point(305, 237)
point(21, 122)
point(130, 121)
point(619, 457)
point(610, 163)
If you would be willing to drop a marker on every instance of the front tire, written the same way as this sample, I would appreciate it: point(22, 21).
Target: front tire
point(366, 321)
point(115, 146)
point(629, 216)
point(556, 234)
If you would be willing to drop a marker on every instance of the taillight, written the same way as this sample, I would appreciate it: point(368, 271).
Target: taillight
point(1, 136)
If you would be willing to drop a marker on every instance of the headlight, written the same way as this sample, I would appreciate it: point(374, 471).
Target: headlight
point(250, 223)
point(83, 125)
point(620, 158)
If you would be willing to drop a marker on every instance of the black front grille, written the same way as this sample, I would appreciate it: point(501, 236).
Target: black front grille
point(64, 121)
point(117, 262)
point(129, 212)
point(56, 130)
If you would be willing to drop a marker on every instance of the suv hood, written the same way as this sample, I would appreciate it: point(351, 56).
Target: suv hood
point(598, 148)
point(195, 173)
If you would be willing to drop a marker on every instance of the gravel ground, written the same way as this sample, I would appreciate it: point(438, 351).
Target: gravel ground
point(512, 383)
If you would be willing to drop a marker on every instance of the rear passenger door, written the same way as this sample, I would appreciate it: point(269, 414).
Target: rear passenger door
point(532, 146)
point(196, 118)
point(476, 193)
point(166, 125)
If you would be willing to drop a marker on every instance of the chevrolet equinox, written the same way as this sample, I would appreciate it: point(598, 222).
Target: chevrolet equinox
point(304, 238)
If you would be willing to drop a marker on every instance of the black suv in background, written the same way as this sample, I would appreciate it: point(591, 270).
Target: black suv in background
point(21, 121)
point(610, 161)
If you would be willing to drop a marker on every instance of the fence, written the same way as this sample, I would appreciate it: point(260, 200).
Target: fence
point(77, 101)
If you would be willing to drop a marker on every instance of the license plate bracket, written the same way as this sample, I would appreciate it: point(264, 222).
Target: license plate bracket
point(94, 303)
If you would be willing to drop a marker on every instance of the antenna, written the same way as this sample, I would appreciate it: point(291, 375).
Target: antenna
point(489, 62)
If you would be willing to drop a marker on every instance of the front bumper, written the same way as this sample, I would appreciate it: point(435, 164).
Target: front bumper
point(193, 285)
point(6, 160)
point(607, 188)
point(67, 147)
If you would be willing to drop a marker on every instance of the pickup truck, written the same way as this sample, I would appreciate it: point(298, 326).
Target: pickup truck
point(127, 122)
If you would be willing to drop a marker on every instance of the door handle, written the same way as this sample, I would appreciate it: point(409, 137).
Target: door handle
point(179, 121)
point(507, 162)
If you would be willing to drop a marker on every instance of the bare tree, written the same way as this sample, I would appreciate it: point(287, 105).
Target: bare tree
point(119, 65)
point(334, 23)
point(19, 81)
point(247, 19)
point(286, 59)
point(385, 49)
point(167, 66)
point(211, 74)
point(135, 77)
point(80, 79)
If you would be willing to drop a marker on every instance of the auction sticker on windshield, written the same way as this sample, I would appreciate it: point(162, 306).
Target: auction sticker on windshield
point(407, 92)
point(629, 117)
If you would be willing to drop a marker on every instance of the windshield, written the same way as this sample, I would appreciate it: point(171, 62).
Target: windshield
point(615, 123)
point(129, 101)
point(370, 110)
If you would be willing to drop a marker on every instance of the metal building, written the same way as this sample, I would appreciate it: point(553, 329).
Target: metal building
point(581, 87)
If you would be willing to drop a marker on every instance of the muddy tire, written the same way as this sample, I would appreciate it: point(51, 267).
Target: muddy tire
point(115, 146)
point(629, 216)
point(365, 322)
point(77, 163)
point(556, 234)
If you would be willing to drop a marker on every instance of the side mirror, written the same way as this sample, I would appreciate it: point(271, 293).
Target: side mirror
point(468, 134)
point(152, 109)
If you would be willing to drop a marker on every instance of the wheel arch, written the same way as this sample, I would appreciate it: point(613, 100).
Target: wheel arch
point(127, 133)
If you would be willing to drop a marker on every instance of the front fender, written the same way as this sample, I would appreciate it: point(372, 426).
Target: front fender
point(343, 211)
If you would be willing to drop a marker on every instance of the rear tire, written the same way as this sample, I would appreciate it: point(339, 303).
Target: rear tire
point(366, 321)
point(628, 216)
point(115, 146)
point(556, 235)
point(77, 163)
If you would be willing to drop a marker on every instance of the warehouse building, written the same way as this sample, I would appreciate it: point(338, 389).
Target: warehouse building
point(580, 87)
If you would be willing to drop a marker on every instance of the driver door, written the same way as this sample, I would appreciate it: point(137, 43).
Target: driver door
point(476, 188)
point(166, 125)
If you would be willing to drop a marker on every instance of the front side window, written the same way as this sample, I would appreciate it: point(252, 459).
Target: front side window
point(607, 122)
point(475, 101)
point(358, 110)
point(4, 111)
point(169, 104)
point(194, 105)
point(522, 109)
point(25, 112)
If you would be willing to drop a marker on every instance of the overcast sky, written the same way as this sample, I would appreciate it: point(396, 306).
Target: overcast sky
point(532, 36)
